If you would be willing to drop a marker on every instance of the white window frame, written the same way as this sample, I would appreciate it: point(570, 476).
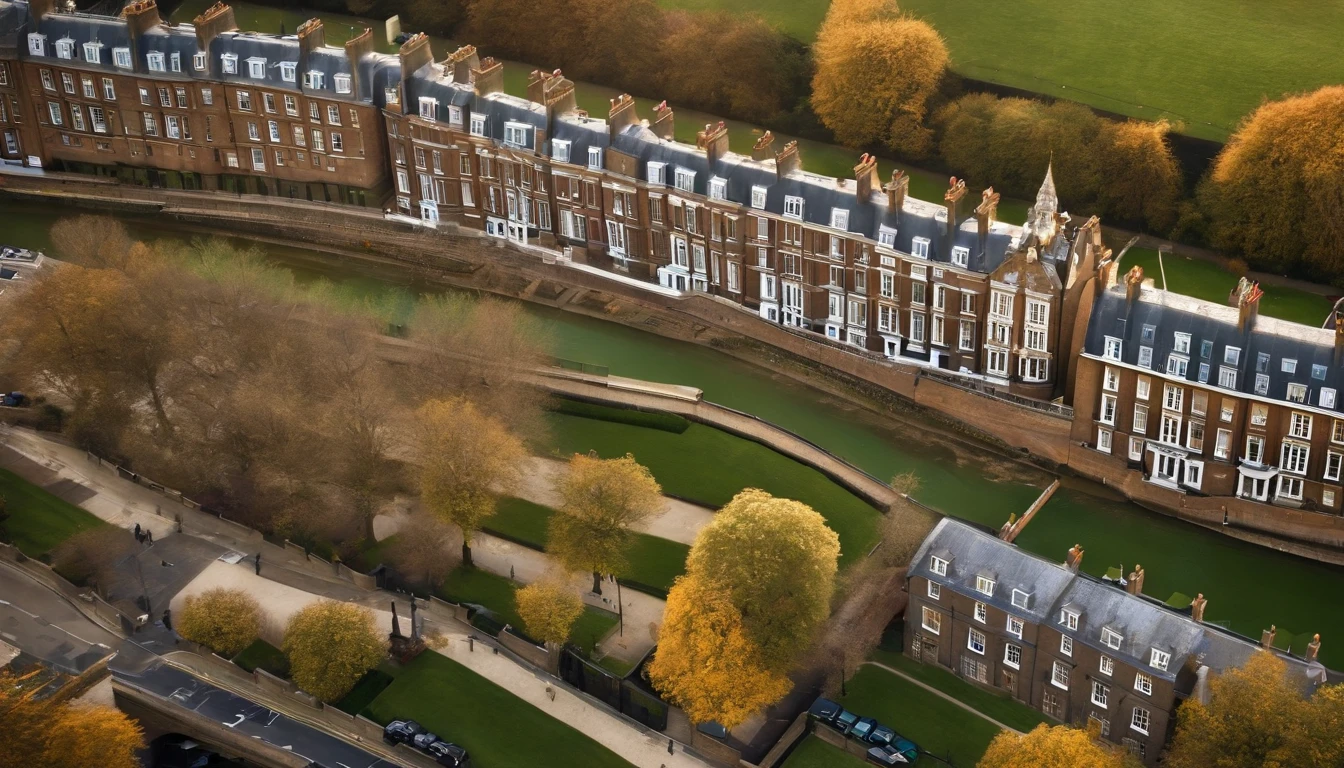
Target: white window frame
point(1066, 645)
point(793, 207)
point(931, 620)
point(155, 61)
point(342, 83)
point(935, 591)
point(656, 172)
point(477, 124)
point(1106, 666)
point(684, 179)
point(515, 134)
point(1145, 718)
point(975, 641)
point(1060, 671)
point(919, 247)
point(1012, 655)
point(938, 565)
point(1020, 598)
point(1143, 684)
point(1159, 660)
point(1015, 626)
point(93, 53)
point(594, 158)
point(961, 256)
point(981, 612)
point(1100, 693)
point(984, 585)
point(560, 150)
point(840, 219)
point(758, 197)
point(718, 188)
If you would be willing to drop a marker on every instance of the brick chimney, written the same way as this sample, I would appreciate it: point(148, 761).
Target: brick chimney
point(141, 16)
point(1134, 585)
point(986, 212)
point(551, 90)
point(622, 115)
point(1246, 298)
point(956, 189)
point(1074, 559)
point(865, 178)
point(1133, 284)
point(311, 36)
point(489, 77)
point(1313, 648)
point(787, 160)
point(1108, 274)
point(1267, 636)
point(1339, 339)
point(896, 190)
point(714, 140)
point(763, 149)
point(415, 54)
point(216, 19)
point(1197, 607)
point(662, 122)
point(463, 62)
point(356, 48)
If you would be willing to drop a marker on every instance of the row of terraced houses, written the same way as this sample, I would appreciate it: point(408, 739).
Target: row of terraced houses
point(1195, 398)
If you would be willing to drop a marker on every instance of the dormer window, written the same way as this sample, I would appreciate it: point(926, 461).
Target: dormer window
point(342, 83)
point(93, 53)
point(718, 189)
point(122, 57)
point(256, 68)
point(961, 256)
point(684, 180)
point(197, 61)
point(312, 79)
point(65, 48)
point(515, 134)
point(1113, 348)
point(1020, 598)
point(1069, 618)
point(1111, 638)
point(594, 158)
point(155, 62)
point(478, 125)
point(886, 236)
point(428, 107)
point(455, 117)
point(1159, 660)
point(656, 172)
point(392, 95)
point(175, 62)
point(984, 585)
point(229, 62)
point(919, 247)
point(560, 150)
point(793, 207)
point(37, 44)
point(289, 71)
point(758, 197)
point(938, 565)
point(839, 218)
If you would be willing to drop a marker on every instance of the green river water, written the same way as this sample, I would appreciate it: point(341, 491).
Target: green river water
point(1248, 587)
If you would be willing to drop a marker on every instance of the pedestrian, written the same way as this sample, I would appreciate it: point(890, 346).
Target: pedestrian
point(670, 749)
point(149, 536)
point(258, 563)
point(139, 537)
point(137, 531)
point(168, 619)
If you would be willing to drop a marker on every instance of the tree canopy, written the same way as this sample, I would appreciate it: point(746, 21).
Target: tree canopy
point(1059, 745)
point(330, 646)
point(37, 731)
point(549, 607)
point(602, 499)
point(224, 620)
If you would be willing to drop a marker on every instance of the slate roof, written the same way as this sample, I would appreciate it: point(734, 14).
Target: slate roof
point(1142, 625)
point(1157, 316)
point(110, 32)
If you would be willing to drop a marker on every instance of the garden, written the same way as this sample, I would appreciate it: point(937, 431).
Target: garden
point(38, 520)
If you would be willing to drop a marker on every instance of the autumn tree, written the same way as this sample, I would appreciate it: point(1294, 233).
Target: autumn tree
point(467, 459)
point(706, 662)
point(1274, 193)
point(96, 242)
point(224, 620)
point(750, 75)
point(36, 730)
point(420, 551)
point(549, 607)
point(602, 500)
point(876, 70)
point(1059, 745)
point(1139, 179)
point(90, 557)
point(330, 646)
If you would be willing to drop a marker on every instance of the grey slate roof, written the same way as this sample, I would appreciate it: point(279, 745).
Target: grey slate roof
point(1142, 625)
point(1167, 314)
point(110, 32)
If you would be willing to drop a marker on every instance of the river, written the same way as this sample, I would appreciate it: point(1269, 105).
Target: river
point(1248, 587)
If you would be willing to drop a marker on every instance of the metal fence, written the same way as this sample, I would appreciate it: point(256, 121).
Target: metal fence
point(619, 694)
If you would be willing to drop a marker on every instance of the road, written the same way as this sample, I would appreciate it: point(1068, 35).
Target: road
point(44, 626)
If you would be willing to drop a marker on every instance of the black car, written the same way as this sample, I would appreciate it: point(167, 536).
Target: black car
point(880, 735)
point(824, 711)
point(423, 740)
point(845, 721)
point(402, 731)
point(447, 753)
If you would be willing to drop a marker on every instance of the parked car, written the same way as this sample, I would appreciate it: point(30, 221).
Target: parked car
point(863, 728)
point(423, 740)
point(713, 729)
point(845, 721)
point(447, 753)
point(824, 711)
point(881, 735)
point(402, 731)
point(899, 752)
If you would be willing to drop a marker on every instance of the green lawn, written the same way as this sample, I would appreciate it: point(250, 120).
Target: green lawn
point(1209, 281)
point(499, 729)
point(374, 682)
point(815, 753)
point(799, 18)
point(710, 466)
point(1011, 713)
point(264, 655)
point(38, 521)
point(473, 585)
point(654, 561)
point(935, 724)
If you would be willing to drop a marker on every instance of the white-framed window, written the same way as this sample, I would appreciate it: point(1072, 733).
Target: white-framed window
point(174, 126)
point(1227, 377)
point(1020, 598)
point(684, 180)
point(984, 585)
point(1326, 398)
point(1143, 684)
point(1107, 666)
point(1140, 721)
point(1066, 645)
point(919, 247)
point(656, 172)
point(515, 134)
point(1113, 348)
point(1177, 365)
point(1142, 387)
point(839, 218)
point(1333, 462)
point(54, 109)
point(1299, 425)
point(961, 256)
point(718, 188)
point(1140, 419)
point(175, 62)
point(1068, 618)
point(121, 57)
point(1108, 407)
point(935, 590)
point(1059, 675)
point(932, 620)
point(1290, 487)
point(37, 44)
point(342, 83)
point(733, 277)
point(1146, 357)
point(1159, 660)
point(1012, 655)
point(560, 150)
point(229, 63)
point(1111, 638)
point(793, 207)
point(757, 197)
point(938, 565)
point(886, 236)
point(1222, 446)
point(1104, 437)
point(1289, 365)
point(155, 62)
point(333, 114)
point(1294, 457)
point(1174, 397)
point(975, 641)
point(1135, 448)
point(595, 158)
point(1297, 393)
point(1261, 384)
point(93, 53)
point(1100, 693)
point(314, 79)
point(477, 125)
point(258, 159)
point(1015, 626)
point(981, 612)
point(1181, 343)
point(256, 68)
point(65, 48)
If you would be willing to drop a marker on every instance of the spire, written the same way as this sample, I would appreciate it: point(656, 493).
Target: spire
point(1042, 223)
point(1046, 198)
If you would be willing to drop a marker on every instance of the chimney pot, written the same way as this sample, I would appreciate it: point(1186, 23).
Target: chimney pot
point(1314, 647)
point(141, 16)
point(622, 114)
point(1197, 607)
point(955, 191)
point(663, 126)
point(216, 19)
point(896, 190)
point(762, 149)
point(1267, 637)
point(865, 176)
point(463, 61)
point(986, 213)
point(1074, 560)
point(1246, 298)
point(488, 77)
point(788, 160)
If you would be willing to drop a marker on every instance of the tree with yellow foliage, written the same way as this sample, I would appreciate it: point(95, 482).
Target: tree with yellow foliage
point(1274, 194)
point(331, 645)
point(1139, 177)
point(39, 732)
point(602, 499)
point(706, 663)
point(1054, 747)
point(467, 459)
point(549, 607)
point(875, 72)
point(224, 620)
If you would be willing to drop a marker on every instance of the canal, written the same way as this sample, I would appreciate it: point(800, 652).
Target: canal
point(1248, 587)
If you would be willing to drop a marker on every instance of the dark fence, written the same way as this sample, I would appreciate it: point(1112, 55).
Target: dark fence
point(622, 695)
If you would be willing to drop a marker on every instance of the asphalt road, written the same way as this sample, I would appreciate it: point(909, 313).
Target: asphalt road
point(42, 625)
point(248, 717)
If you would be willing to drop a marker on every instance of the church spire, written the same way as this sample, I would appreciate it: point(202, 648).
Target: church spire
point(1047, 199)
point(1041, 219)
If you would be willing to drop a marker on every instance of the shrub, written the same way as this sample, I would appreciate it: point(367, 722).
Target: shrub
point(224, 620)
point(330, 646)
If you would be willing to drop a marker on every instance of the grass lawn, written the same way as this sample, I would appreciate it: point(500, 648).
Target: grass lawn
point(815, 753)
point(799, 18)
point(264, 655)
point(710, 466)
point(473, 585)
point(1208, 281)
point(654, 561)
point(617, 667)
point(38, 521)
point(499, 729)
point(938, 726)
point(1007, 711)
point(374, 682)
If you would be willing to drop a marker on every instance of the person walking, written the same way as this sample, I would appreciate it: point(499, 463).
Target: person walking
point(258, 564)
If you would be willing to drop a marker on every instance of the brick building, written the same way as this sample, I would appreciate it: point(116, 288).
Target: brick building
point(1072, 646)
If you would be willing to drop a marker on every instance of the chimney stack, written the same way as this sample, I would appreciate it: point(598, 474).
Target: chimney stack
point(216, 19)
point(311, 36)
point(956, 189)
point(1267, 637)
point(1133, 284)
point(787, 160)
point(415, 54)
point(462, 62)
point(1074, 560)
point(986, 212)
point(356, 48)
point(489, 77)
point(896, 190)
point(141, 16)
point(1135, 584)
point(1197, 608)
point(714, 140)
point(1339, 339)
point(622, 115)
point(865, 176)
point(1313, 648)
point(764, 147)
point(536, 86)
point(1246, 298)
point(663, 126)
